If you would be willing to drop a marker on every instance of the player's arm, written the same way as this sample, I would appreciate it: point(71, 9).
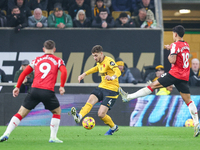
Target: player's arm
point(117, 73)
point(172, 58)
point(173, 53)
point(21, 78)
point(63, 78)
point(90, 71)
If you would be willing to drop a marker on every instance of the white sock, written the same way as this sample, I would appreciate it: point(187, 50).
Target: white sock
point(80, 116)
point(142, 92)
point(113, 128)
point(193, 112)
point(14, 122)
point(55, 122)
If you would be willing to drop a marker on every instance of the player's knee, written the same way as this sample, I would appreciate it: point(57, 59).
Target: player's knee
point(101, 114)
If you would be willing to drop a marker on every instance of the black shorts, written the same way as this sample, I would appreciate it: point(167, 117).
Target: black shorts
point(35, 96)
point(167, 79)
point(107, 97)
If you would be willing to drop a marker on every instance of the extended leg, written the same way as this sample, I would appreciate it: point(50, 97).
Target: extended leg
point(193, 111)
point(14, 122)
point(85, 109)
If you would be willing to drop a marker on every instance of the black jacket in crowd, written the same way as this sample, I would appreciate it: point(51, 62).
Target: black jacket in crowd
point(97, 22)
point(75, 8)
point(137, 22)
point(18, 23)
point(24, 9)
point(3, 19)
point(194, 79)
point(140, 5)
point(33, 4)
point(86, 23)
point(4, 5)
point(65, 4)
point(129, 24)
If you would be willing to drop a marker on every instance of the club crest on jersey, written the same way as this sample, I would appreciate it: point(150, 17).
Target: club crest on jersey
point(112, 63)
point(103, 65)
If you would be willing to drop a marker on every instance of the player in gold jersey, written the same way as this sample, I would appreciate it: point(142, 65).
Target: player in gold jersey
point(107, 91)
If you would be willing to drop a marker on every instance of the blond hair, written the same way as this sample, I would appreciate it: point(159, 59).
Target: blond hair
point(150, 15)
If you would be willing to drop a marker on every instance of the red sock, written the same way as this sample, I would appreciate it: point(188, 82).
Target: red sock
point(18, 116)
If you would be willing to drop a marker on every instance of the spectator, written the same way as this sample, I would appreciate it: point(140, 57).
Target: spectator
point(107, 3)
point(59, 19)
point(121, 5)
point(153, 76)
point(80, 5)
point(42, 4)
point(150, 22)
point(23, 7)
point(81, 20)
point(145, 4)
point(126, 75)
point(3, 77)
point(103, 20)
point(98, 5)
point(16, 19)
point(165, 91)
point(194, 79)
point(124, 21)
point(64, 3)
point(27, 81)
point(3, 20)
point(37, 19)
point(140, 18)
point(4, 5)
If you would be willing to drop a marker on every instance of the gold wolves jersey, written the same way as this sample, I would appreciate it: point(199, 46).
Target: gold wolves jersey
point(107, 67)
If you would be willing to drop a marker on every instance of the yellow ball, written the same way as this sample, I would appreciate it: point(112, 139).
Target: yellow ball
point(189, 123)
point(88, 123)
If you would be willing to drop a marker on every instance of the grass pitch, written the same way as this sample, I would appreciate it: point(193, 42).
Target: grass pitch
point(78, 138)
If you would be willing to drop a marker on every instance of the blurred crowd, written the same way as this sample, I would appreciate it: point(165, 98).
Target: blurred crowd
point(77, 13)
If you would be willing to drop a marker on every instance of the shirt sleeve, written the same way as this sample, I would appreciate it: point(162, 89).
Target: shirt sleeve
point(173, 49)
point(114, 67)
point(92, 70)
point(22, 76)
point(60, 63)
point(32, 64)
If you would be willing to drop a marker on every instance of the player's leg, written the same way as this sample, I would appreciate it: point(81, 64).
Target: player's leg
point(14, 122)
point(102, 114)
point(54, 125)
point(183, 88)
point(109, 99)
point(165, 80)
point(142, 92)
point(50, 101)
point(193, 111)
point(85, 109)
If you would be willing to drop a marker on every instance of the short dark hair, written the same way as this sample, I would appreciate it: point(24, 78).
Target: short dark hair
point(97, 49)
point(180, 30)
point(14, 7)
point(123, 15)
point(49, 44)
point(103, 10)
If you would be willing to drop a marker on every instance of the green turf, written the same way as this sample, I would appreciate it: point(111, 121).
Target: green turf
point(78, 138)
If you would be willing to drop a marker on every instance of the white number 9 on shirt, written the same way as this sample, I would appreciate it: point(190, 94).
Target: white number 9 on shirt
point(45, 68)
